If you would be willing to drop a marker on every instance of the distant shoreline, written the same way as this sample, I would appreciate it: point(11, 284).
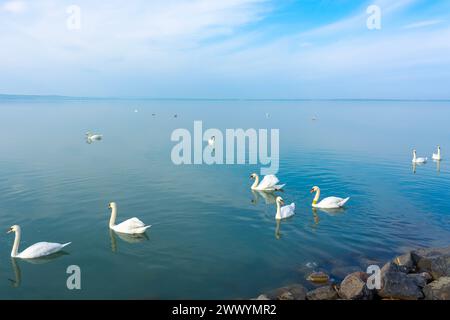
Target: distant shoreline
point(75, 98)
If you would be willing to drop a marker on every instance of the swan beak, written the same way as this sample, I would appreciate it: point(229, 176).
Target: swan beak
point(282, 202)
point(109, 206)
point(9, 230)
point(311, 191)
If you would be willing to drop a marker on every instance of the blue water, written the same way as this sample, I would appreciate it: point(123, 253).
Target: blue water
point(211, 237)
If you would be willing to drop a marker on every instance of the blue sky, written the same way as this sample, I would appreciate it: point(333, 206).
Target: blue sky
point(226, 49)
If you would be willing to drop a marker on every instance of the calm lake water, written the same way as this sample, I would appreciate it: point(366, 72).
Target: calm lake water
point(211, 237)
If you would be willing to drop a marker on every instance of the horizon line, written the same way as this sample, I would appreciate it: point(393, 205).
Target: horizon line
point(64, 97)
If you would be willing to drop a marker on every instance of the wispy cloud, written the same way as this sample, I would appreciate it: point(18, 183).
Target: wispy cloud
point(422, 24)
point(14, 6)
point(221, 48)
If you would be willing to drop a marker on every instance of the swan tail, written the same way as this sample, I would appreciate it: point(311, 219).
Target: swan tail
point(343, 202)
point(279, 186)
point(65, 244)
point(142, 229)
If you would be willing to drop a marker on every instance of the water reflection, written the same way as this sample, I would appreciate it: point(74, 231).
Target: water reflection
point(16, 282)
point(269, 197)
point(277, 230)
point(438, 165)
point(130, 238)
point(17, 274)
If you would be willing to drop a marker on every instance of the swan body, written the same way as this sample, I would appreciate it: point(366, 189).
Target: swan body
point(327, 203)
point(416, 159)
point(130, 226)
point(37, 250)
point(284, 212)
point(93, 137)
point(268, 183)
point(437, 156)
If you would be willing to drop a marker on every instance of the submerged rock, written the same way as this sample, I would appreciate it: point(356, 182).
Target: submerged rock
point(438, 289)
point(318, 277)
point(434, 261)
point(354, 287)
point(323, 293)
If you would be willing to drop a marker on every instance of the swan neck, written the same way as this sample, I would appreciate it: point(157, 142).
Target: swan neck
point(278, 215)
point(255, 184)
point(317, 196)
point(112, 220)
point(15, 248)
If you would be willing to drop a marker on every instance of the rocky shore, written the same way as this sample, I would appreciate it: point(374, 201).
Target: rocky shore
point(415, 275)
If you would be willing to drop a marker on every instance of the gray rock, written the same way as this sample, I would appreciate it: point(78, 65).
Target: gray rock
point(393, 267)
point(354, 287)
point(262, 297)
point(406, 262)
point(438, 289)
point(421, 279)
point(323, 293)
point(292, 292)
point(434, 261)
point(399, 285)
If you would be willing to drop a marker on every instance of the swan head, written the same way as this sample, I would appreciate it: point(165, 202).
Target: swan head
point(112, 205)
point(213, 138)
point(253, 176)
point(314, 189)
point(14, 228)
point(279, 200)
point(414, 151)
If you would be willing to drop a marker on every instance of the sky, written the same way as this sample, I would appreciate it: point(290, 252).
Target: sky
point(260, 49)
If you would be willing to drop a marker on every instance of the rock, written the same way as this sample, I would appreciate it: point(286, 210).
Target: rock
point(421, 279)
point(399, 285)
point(323, 293)
point(393, 267)
point(406, 261)
point(438, 289)
point(434, 261)
point(354, 287)
point(292, 292)
point(262, 297)
point(318, 277)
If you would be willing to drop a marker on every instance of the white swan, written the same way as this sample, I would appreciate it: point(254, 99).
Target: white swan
point(437, 156)
point(37, 250)
point(416, 159)
point(285, 211)
point(212, 141)
point(268, 183)
point(93, 137)
point(130, 226)
point(327, 203)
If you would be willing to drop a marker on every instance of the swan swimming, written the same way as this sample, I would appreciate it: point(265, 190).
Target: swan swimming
point(212, 141)
point(285, 211)
point(130, 226)
point(268, 183)
point(437, 156)
point(416, 159)
point(327, 203)
point(93, 137)
point(40, 249)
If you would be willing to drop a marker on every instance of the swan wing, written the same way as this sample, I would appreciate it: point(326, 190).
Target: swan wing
point(287, 211)
point(268, 182)
point(332, 202)
point(133, 225)
point(41, 249)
